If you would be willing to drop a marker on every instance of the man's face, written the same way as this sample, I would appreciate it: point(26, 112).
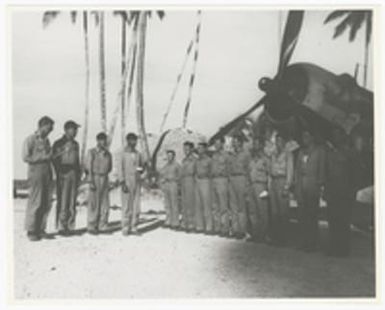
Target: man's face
point(279, 142)
point(170, 157)
point(132, 143)
point(358, 143)
point(307, 138)
point(187, 149)
point(218, 144)
point(102, 143)
point(71, 132)
point(201, 149)
point(237, 143)
point(46, 129)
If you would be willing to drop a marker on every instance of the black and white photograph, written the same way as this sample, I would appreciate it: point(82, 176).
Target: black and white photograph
point(193, 152)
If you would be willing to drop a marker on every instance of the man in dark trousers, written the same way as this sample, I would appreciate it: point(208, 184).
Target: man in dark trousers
point(99, 165)
point(339, 193)
point(309, 179)
point(37, 154)
point(67, 166)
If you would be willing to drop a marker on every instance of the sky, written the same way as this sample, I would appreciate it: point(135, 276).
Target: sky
point(237, 48)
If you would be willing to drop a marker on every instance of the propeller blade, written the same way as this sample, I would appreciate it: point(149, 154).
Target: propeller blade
point(290, 38)
point(228, 127)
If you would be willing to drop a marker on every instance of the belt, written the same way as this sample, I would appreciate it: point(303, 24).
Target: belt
point(219, 176)
point(100, 174)
point(202, 177)
point(237, 174)
point(278, 176)
point(259, 182)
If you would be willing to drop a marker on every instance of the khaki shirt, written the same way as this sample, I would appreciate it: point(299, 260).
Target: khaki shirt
point(203, 167)
point(36, 149)
point(282, 165)
point(258, 169)
point(130, 165)
point(220, 164)
point(99, 162)
point(188, 166)
point(170, 172)
point(239, 162)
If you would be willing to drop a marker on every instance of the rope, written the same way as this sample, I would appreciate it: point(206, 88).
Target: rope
point(192, 76)
point(102, 74)
point(178, 79)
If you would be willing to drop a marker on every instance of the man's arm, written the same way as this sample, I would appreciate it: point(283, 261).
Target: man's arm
point(289, 169)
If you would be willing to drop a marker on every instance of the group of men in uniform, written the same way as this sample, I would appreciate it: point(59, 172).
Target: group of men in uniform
point(243, 193)
point(64, 157)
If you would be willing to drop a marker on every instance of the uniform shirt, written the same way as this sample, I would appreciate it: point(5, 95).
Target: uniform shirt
point(310, 167)
point(339, 170)
point(188, 166)
point(239, 162)
point(219, 164)
point(130, 164)
point(99, 161)
point(36, 149)
point(170, 172)
point(258, 169)
point(66, 155)
point(282, 165)
point(203, 167)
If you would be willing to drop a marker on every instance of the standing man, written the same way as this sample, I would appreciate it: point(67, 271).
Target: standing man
point(203, 211)
point(188, 189)
point(99, 165)
point(169, 179)
point(309, 179)
point(37, 154)
point(131, 167)
point(339, 193)
point(220, 188)
point(67, 166)
point(258, 206)
point(238, 170)
point(281, 179)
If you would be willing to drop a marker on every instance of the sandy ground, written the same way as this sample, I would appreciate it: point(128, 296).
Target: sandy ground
point(165, 264)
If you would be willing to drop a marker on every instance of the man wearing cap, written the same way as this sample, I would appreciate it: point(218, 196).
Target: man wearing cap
point(67, 166)
point(37, 154)
point(281, 180)
point(203, 211)
point(169, 180)
point(238, 169)
point(188, 187)
point(99, 165)
point(258, 206)
point(131, 165)
point(220, 188)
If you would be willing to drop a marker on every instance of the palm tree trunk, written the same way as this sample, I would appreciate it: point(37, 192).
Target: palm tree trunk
point(87, 86)
point(139, 84)
point(102, 74)
point(123, 99)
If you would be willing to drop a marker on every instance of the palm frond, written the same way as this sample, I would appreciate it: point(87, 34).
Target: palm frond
point(334, 15)
point(356, 21)
point(161, 14)
point(341, 27)
point(74, 15)
point(49, 16)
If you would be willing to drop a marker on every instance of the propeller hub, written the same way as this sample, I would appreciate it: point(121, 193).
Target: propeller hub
point(265, 84)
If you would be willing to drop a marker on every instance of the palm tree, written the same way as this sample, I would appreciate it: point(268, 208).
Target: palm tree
point(102, 72)
point(140, 18)
point(48, 17)
point(354, 21)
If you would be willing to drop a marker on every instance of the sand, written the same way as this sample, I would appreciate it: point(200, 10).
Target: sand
point(166, 264)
